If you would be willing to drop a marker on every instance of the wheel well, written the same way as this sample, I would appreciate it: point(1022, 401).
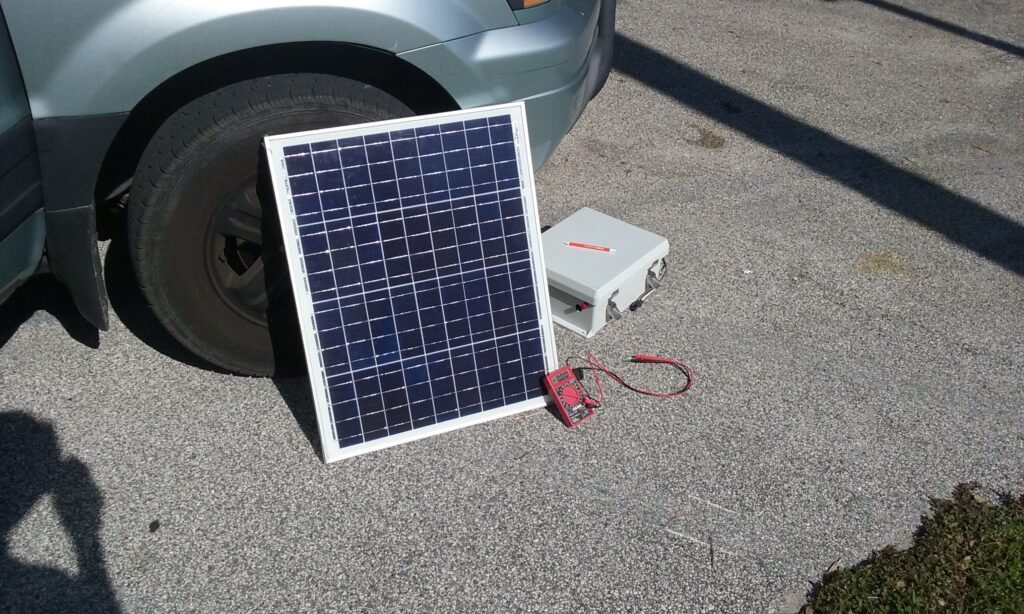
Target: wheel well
point(383, 70)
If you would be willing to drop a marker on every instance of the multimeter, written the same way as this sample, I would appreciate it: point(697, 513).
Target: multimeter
point(569, 397)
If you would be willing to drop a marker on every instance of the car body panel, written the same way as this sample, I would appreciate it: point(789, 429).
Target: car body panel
point(21, 227)
point(103, 56)
point(20, 252)
point(13, 104)
point(546, 62)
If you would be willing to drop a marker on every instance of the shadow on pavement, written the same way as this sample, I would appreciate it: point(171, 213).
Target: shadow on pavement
point(946, 26)
point(31, 466)
point(45, 293)
point(961, 220)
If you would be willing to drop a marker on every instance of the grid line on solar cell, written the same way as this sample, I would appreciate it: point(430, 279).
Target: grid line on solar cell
point(484, 369)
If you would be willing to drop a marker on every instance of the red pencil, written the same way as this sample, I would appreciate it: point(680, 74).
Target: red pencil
point(596, 248)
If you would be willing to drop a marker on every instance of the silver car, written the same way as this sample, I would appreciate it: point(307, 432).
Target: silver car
point(162, 106)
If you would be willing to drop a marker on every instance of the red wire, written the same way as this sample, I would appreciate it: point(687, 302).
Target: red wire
point(595, 365)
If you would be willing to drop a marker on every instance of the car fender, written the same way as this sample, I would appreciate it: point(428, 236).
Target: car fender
point(103, 56)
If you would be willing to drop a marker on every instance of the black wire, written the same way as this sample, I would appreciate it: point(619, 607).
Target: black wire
point(579, 378)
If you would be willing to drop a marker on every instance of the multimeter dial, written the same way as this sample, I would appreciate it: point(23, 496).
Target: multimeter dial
point(570, 394)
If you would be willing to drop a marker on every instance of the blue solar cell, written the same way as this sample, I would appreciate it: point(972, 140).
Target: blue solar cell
point(309, 203)
point(366, 233)
point(417, 224)
point(316, 263)
point(506, 170)
point(408, 169)
point(483, 176)
point(460, 178)
point(356, 175)
point(478, 138)
point(332, 337)
point(349, 428)
point(481, 155)
point(335, 204)
point(348, 275)
point(420, 396)
point(330, 180)
point(335, 356)
point(427, 145)
point(490, 229)
point(403, 147)
point(375, 423)
point(526, 314)
point(492, 247)
point(455, 159)
point(501, 134)
point(382, 171)
point(298, 165)
point(303, 184)
point(391, 231)
point(455, 311)
point(327, 160)
point(411, 191)
point(387, 195)
point(458, 330)
point(469, 401)
point(360, 196)
point(437, 182)
point(502, 152)
point(399, 270)
point(379, 311)
point(326, 320)
point(453, 137)
point(407, 319)
point(445, 405)
point(418, 243)
point(324, 146)
point(514, 226)
point(314, 244)
point(395, 229)
point(379, 152)
point(441, 219)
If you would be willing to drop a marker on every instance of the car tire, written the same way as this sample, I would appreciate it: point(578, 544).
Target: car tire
point(199, 234)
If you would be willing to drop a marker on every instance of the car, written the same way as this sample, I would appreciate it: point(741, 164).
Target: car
point(161, 108)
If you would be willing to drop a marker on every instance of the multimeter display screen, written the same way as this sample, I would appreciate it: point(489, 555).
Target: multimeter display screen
point(561, 376)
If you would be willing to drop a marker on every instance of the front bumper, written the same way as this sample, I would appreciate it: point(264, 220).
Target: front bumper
point(556, 63)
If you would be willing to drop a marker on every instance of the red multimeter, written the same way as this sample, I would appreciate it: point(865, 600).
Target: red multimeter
point(568, 395)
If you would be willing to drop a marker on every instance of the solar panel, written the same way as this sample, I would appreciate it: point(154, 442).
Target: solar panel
point(414, 249)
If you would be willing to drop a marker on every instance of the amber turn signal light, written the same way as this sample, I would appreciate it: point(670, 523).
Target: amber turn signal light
point(525, 4)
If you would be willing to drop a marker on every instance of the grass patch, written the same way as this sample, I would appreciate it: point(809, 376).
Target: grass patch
point(967, 556)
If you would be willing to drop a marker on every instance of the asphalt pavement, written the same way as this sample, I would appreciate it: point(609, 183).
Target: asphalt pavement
point(842, 185)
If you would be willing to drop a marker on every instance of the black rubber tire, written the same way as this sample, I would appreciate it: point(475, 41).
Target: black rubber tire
point(202, 163)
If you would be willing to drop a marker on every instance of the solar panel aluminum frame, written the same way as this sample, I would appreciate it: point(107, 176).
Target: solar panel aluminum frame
point(275, 148)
